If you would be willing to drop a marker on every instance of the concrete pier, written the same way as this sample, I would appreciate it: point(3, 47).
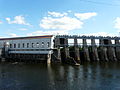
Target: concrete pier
point(85, 50)
point(111, 52)
point(117, 49)
point(56, 51)
point(103, 51)
point(94, 51)
point(76, 51)
point(0, 53)
point(48, 58)
point(66, 48)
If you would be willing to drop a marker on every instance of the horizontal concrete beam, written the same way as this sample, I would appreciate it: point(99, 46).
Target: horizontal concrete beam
point(87, 37)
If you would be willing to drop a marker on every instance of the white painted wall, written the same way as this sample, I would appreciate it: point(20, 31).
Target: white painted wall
point(44, 48)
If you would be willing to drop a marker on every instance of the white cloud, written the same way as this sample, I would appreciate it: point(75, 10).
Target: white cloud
point(23, 29)
point(84, 16)
point(69, 11)
point(58, 23)
point(57, 14)
point(62, 23)
point(54, 32)
point(17, 20)
point(64, 32)
point(117, 23)
point(2, 37)
point(13, 35)
point(99, 34)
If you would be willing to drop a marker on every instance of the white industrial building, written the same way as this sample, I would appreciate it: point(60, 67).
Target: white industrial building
point(34, 45)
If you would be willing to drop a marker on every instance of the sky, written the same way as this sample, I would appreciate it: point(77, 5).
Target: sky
point(58, 17)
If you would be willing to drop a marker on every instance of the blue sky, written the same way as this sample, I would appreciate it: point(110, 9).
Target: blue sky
point(41, 17)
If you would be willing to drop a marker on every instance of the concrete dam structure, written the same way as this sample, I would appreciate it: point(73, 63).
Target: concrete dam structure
point(50, 48)
point(96, 49)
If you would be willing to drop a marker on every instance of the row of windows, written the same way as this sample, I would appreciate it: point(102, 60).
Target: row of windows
point(33, 45)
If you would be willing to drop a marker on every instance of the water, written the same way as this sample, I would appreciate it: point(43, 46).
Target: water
point(89, 76)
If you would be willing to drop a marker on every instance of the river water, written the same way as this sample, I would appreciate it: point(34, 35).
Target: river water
point(89, 76)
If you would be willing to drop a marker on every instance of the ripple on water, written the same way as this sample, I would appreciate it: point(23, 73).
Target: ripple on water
point(92, 76)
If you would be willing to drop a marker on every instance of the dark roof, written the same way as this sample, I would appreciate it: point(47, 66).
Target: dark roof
point(30, 37)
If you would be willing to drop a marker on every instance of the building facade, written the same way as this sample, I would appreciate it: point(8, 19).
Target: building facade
point(38, 47)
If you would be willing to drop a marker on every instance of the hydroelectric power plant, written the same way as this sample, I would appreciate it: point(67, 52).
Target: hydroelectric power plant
point(50, 48)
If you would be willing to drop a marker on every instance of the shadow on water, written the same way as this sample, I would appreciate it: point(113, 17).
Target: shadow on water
point(92, 76)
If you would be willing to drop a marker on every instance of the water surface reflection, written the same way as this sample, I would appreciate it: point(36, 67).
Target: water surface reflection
point(89, 76)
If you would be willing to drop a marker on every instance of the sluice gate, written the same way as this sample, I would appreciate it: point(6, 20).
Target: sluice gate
point(87, 48)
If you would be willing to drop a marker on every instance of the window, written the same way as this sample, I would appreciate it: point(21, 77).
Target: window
point(48, 44)
point(14, 45)
point(37, 44)
point(27, 45)
point(23, 45)
point(32, 45)
point(10, 45)
point(18, 45)
point(42, 44)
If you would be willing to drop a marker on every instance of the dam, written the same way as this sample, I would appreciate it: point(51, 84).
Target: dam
point(51, 48)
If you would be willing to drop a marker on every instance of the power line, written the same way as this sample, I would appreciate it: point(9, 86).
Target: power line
point(103, 3)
